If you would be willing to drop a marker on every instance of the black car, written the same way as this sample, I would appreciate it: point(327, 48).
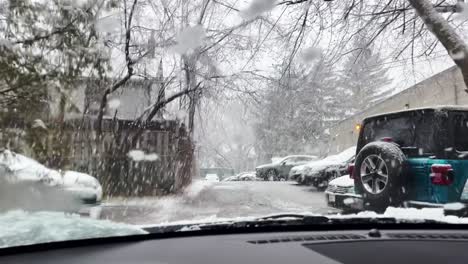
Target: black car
point(278, 171)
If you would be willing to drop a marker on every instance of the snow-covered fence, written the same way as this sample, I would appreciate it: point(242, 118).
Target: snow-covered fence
point(160, 163)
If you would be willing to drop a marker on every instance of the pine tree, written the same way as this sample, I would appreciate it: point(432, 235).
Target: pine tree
point(364, 76)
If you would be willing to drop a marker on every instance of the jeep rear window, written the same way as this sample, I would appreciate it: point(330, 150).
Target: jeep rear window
point(414, 131)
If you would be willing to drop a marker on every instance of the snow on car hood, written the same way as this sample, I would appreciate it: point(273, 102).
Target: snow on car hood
point(331, 160)
point(22, 174)
point(23, 168)
point(266, 165)
point(24, 228)
point(343, 181)
point(297, 169)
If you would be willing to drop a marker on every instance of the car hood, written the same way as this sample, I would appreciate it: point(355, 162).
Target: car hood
point(269, 165)
point(298, 168)
point(322, 164)
point(343, 181)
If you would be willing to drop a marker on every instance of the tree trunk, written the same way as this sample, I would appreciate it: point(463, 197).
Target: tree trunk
point(446, 34)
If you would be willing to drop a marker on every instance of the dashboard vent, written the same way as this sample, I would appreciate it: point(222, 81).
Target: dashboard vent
point(428, 236)
point(306, 238)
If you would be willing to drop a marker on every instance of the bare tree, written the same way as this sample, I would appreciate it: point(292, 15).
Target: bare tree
point(410, 20)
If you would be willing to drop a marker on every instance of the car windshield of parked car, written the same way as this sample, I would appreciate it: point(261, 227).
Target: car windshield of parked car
point(119, 115)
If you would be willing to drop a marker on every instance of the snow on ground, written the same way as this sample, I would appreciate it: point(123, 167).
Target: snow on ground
point(21, 228)
point(205, 200)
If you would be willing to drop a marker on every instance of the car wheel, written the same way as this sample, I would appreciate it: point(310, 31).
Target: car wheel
point(379, 169)
point(272, 175)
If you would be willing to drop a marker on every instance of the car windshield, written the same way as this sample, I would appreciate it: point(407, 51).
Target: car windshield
point(116, 115)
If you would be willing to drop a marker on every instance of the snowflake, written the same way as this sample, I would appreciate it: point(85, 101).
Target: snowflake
point(189, 39)
point(311, 54)
point(257, 7)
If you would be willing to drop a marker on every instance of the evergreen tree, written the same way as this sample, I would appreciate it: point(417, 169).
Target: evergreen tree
point(364, 76)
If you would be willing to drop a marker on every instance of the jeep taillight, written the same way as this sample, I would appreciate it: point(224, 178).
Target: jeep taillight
point(441, 174)
point(351, 170)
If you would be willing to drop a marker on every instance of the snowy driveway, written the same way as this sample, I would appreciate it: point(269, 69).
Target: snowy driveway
point(208, 200)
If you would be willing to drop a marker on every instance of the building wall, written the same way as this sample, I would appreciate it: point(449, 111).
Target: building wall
point(445, 88)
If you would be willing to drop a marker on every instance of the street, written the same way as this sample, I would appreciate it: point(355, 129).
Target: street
point(209, 200)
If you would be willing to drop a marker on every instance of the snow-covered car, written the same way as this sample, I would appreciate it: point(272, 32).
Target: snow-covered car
point(37, 182)
point(212, 177)
point(340, 194)
point(231, 178)
point(319, 173)
point(279, 170)
point(296, 172)
point(243, 176)
point(247, 176)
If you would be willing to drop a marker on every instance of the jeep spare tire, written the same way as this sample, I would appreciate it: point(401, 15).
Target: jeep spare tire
point(378, 175)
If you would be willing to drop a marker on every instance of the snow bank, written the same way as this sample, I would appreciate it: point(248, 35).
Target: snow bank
point(23, 228)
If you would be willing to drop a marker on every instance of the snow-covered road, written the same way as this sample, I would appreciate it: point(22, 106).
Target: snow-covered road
point(209, 200)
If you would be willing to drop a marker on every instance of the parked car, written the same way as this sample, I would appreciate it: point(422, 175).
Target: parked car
point(211, 177)
point(340, 194)
point(319, 173)
point(44, 188)
point(279, 170)
point(243, 176)
point(296, 172)
point(416, 157)
point(221, 172)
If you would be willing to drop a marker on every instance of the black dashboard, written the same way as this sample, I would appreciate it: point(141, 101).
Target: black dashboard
point(351, 246)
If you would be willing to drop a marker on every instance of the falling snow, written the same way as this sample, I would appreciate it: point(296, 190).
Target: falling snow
point(136, 155)
point(463, 15)
point(151, 157)
point(457, 54)
point(257, 7)
point(311, 54)
point(189, 39)
point(113, 103)
point(39, 123)
point(139, 155)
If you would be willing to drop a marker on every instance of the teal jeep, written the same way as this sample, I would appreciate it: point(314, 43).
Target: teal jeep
point(415, 157)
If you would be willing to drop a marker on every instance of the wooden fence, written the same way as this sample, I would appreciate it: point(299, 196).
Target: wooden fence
point(75, 146)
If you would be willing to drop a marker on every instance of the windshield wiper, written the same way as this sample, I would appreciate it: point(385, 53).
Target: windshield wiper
point(279, 220)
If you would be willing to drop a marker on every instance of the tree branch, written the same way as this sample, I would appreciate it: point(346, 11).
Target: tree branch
point(129, 61)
